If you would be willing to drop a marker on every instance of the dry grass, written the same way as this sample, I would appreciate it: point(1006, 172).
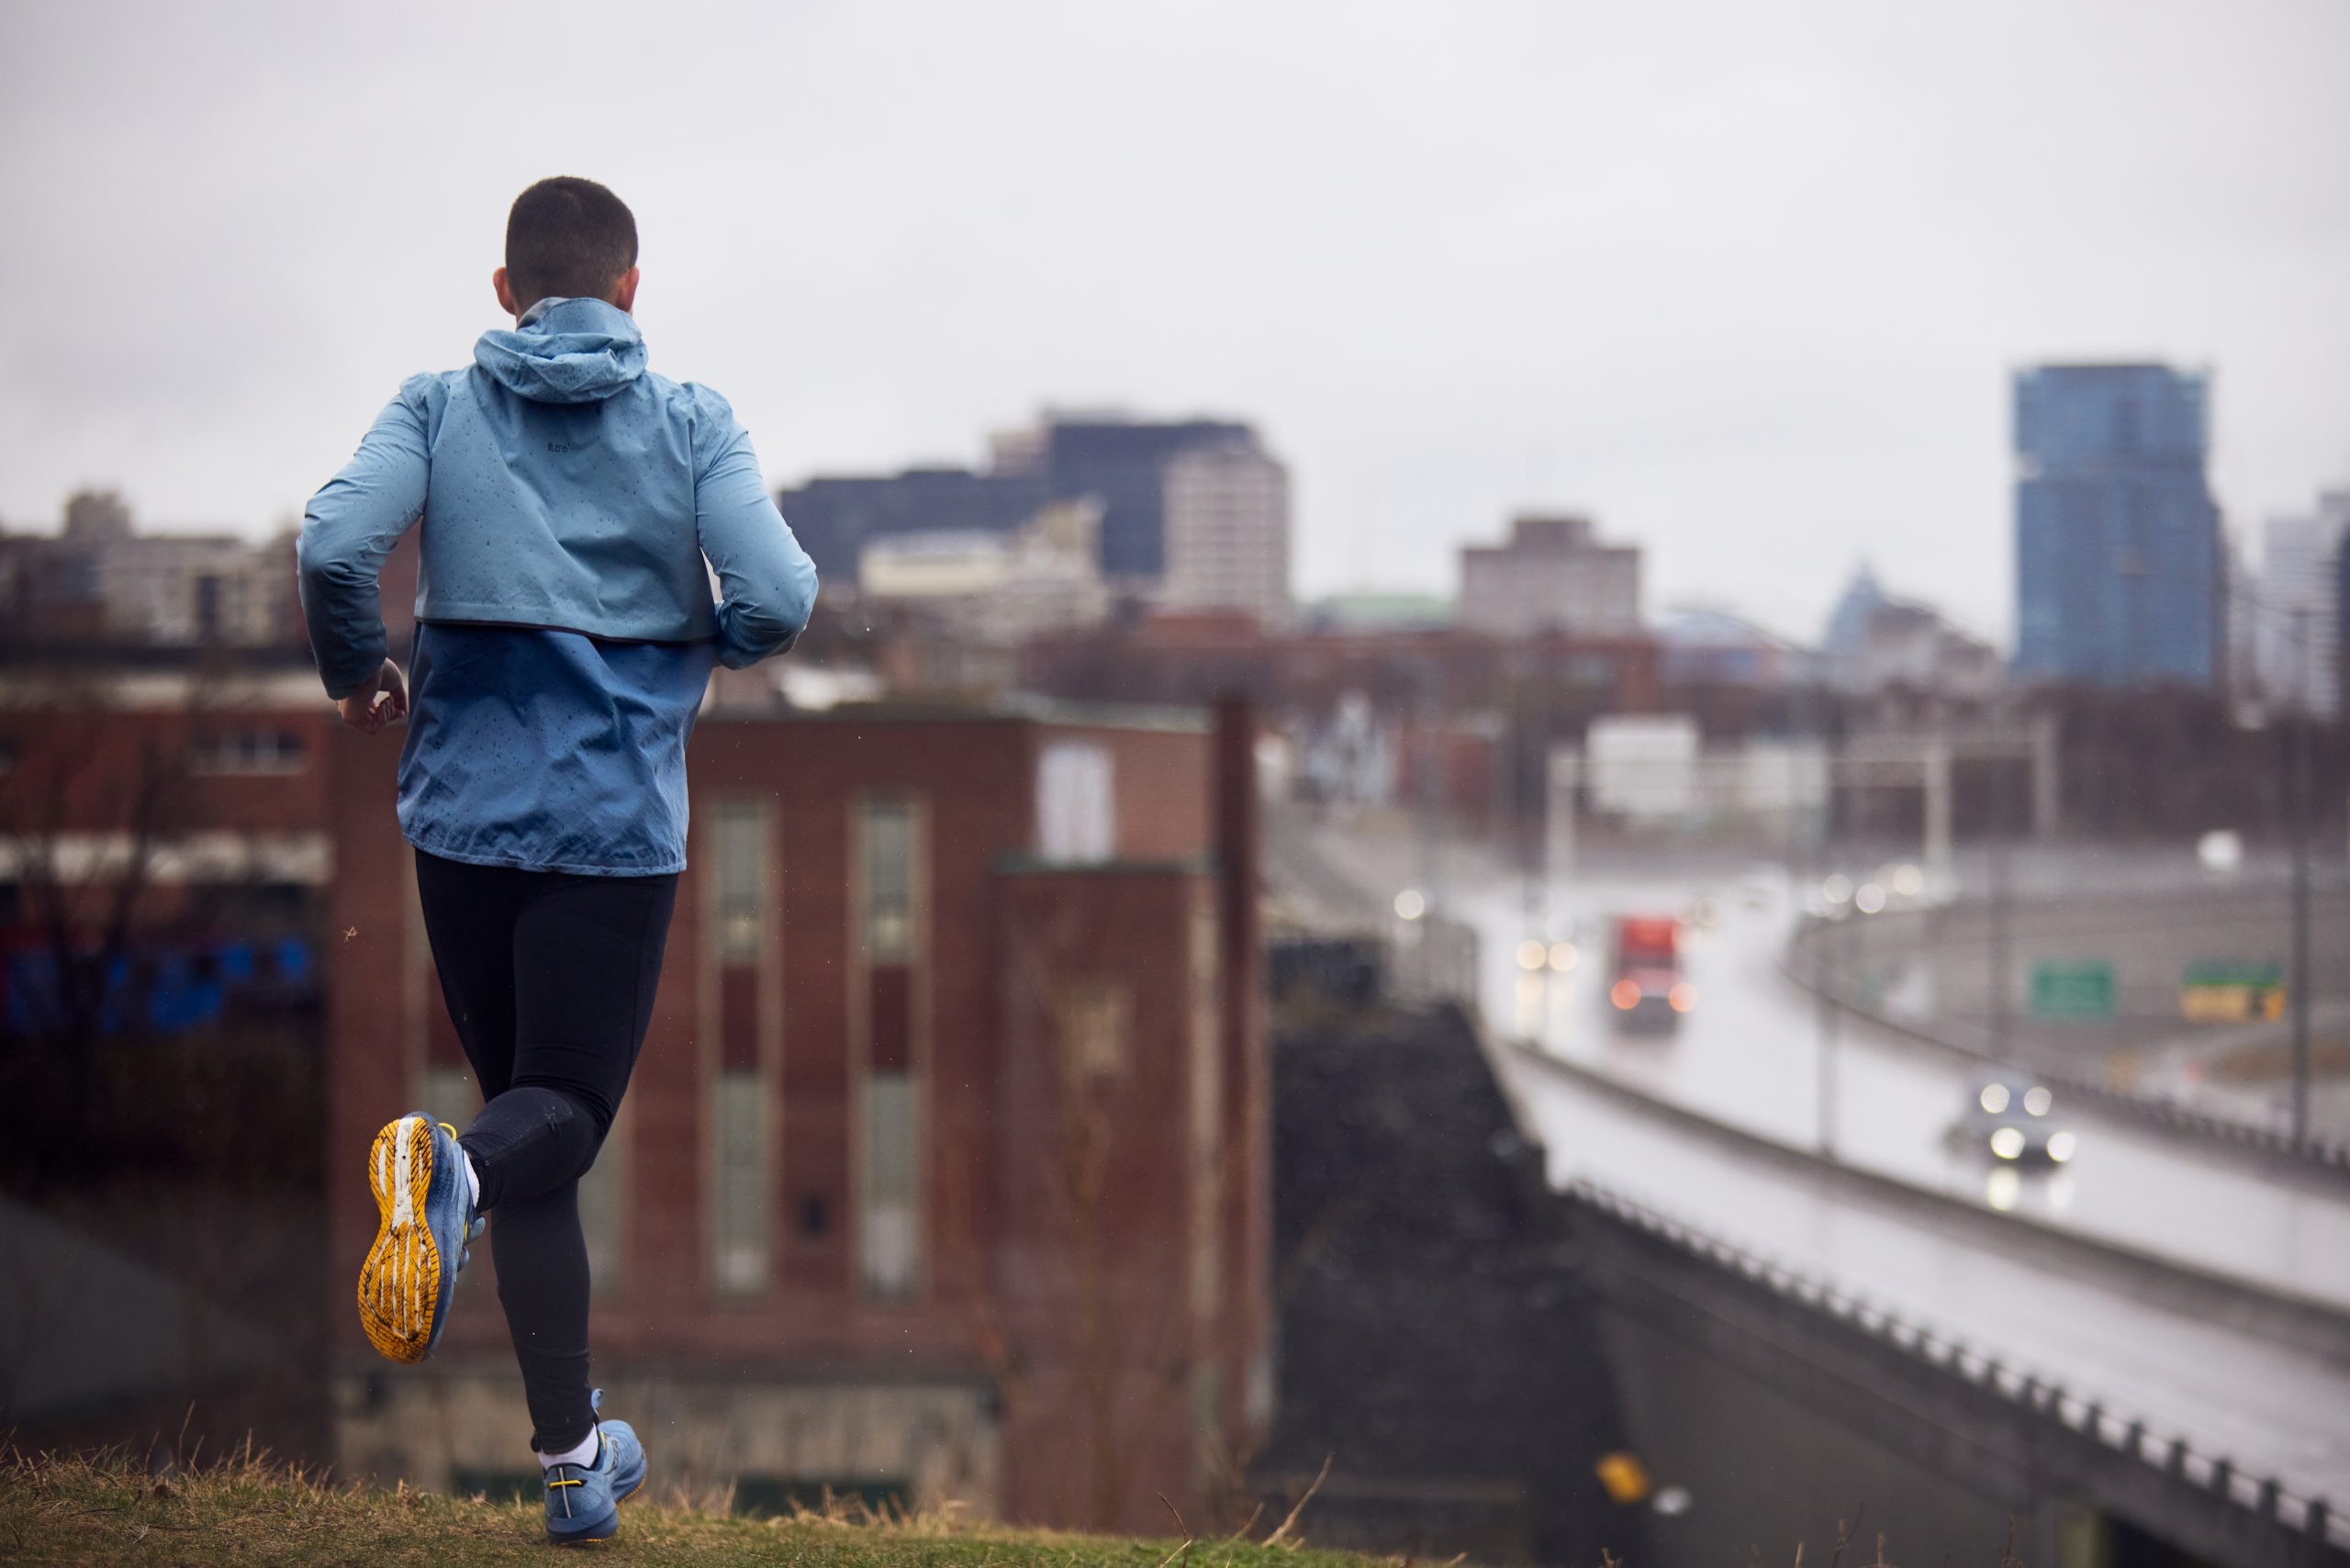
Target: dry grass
point(111, 1509)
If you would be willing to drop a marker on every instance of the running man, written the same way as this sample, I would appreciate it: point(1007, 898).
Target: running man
point(565, 635)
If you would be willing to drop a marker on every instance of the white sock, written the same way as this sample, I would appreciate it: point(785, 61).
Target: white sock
point(473, 1181)
point(585, 1454)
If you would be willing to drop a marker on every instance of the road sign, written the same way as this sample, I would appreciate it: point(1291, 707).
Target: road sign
point(2071, 989)
point(2232, 991)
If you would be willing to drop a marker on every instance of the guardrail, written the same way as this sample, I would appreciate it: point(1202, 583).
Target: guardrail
point(2263, 1501)
point(2326, 1155)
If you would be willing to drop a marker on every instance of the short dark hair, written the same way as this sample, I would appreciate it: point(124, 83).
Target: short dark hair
point(567, 238)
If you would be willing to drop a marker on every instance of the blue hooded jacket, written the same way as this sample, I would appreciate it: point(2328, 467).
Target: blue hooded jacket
point(560, 484)
point(569, 499)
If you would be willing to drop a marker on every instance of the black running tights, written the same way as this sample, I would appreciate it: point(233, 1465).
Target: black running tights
point(549, 978)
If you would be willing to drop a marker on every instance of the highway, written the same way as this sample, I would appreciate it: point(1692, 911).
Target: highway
point(1749, 1057)
point(2271, 1409)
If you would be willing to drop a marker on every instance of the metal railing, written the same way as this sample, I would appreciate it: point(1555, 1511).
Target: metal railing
point(2265, 1498)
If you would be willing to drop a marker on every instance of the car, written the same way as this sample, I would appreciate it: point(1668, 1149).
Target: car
point(2012, 1117)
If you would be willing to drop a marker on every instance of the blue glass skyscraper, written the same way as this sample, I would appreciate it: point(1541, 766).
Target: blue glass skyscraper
point(2119, 574)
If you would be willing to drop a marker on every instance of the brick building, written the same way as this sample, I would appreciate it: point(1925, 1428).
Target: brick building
point(195, 780)
point(943, 1171)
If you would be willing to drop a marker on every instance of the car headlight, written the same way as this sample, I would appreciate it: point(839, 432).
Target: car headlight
point(2037, 1100)
point(2008, 1143)
point(1994, 1098)
point(2060, 1147)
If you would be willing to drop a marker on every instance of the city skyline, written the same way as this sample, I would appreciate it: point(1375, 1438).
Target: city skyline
point(1748, 293)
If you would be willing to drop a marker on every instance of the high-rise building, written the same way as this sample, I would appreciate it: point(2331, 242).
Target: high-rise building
point(1553, 576)
point(1121, 463)
point(2119, 573)
point(2241, 683)
point(1226, 531)
point(2341, 574)
point(2296, 633)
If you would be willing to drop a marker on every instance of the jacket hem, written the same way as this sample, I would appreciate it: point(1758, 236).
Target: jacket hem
point(567, 868)
point(459, 618)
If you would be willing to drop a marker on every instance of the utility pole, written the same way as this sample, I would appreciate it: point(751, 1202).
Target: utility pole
point(1530, 764)
point(2001, 1022)
point(1822, 977)
point(2297, 810)
point(1430, 824)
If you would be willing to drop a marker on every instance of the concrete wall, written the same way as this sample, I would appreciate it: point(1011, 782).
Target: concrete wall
point(1768, 1471)
point(1784, 1407)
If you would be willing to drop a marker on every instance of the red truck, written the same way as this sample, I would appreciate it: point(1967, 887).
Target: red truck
point(1649, 992)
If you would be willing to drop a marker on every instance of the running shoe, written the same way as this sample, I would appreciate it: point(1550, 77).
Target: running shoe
point(584, 1500)
point(425, 1205)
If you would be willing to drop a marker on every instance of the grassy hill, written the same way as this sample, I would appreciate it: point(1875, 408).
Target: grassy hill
point(111, 1510)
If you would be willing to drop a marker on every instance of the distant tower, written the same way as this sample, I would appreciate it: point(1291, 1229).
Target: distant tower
point(1846, 642)
point(1225, 528)
point(2119, 570)
point(2297, 630)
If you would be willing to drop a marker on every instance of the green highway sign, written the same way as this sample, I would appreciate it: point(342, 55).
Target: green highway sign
point(2071, 989)
point(2232, 991)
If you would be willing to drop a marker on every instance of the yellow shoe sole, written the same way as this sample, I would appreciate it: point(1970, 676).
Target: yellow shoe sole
point(399, 1286)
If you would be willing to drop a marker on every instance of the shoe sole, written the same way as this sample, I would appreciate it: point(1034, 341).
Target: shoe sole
point(399, 1286)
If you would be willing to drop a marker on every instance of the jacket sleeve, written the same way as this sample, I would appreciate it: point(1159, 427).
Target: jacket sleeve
point(348, 528)
point(767, 584)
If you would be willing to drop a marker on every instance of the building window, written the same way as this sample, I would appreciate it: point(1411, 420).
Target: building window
point(888, 902)
point(246, 752)
point(889, 1233)
point(207, 608)
point(601, 1201)
point(740, 839)
point(742, 1156)
point(885, 839)
point(1077, 815)
point(739, 1222)
point(1094, 1023)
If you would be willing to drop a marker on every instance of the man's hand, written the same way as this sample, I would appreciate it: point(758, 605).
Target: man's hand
point(373, 706)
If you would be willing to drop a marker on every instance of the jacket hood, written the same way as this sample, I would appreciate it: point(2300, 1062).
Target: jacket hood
point(565, 351)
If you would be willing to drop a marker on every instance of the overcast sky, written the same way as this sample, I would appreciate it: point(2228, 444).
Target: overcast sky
point(1744, 280)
